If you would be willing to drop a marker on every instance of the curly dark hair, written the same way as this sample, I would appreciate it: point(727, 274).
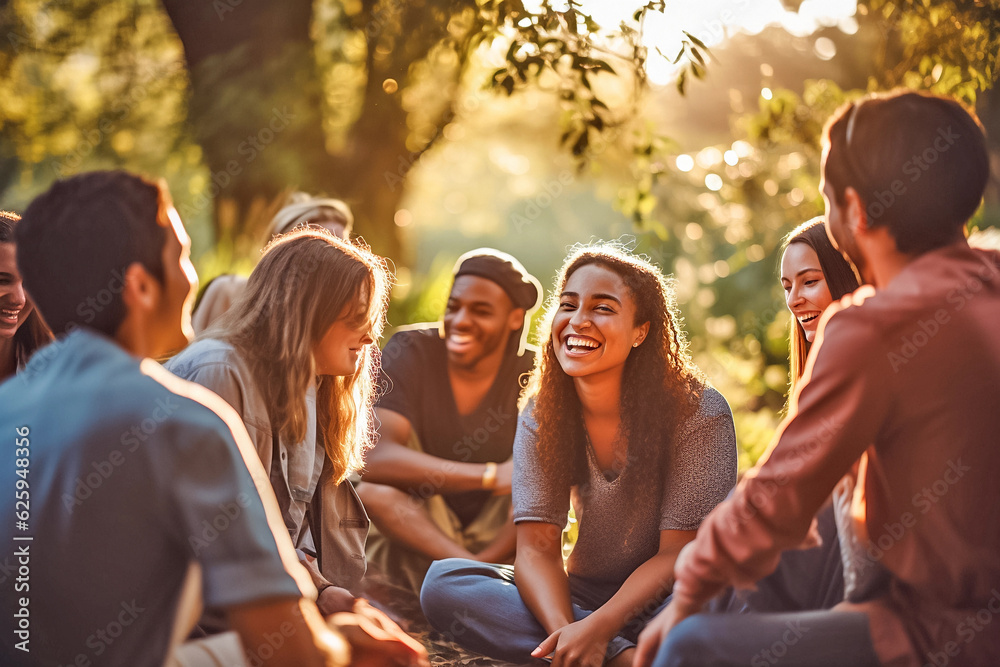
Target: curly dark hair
point(661, 386)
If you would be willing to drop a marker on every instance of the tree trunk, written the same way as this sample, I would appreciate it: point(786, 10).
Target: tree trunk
point(256, 111)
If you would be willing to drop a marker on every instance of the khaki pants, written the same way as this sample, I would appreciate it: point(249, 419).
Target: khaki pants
point(224, 650)
point(407, 567)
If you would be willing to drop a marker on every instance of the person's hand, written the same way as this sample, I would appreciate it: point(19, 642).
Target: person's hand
point(334, 599)
point(654, 634)
point(364, 608)
point(376, 641)
point(505, 474)
point(579, 644)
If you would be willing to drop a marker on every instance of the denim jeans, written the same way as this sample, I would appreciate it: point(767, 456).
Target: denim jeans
point(799, 639)
point(478, 606)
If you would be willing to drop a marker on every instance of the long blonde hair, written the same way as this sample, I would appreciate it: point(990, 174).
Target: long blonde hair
point(304, 282)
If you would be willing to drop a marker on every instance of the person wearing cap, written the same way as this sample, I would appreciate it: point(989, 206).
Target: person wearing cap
point(438, 482)
point(300, 210)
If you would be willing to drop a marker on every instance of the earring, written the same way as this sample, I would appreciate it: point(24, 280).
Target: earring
point(635, 344)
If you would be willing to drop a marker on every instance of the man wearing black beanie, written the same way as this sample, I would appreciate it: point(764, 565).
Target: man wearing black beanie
point(437, 484)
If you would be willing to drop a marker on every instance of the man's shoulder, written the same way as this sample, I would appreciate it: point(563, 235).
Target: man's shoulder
point(193, 406)
point(414, 341)
point(526, 358)
point(860, 309)
point(421, 333)
point(102, 408)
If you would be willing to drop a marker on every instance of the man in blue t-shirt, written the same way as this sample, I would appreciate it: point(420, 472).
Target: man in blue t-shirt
point(125, 486)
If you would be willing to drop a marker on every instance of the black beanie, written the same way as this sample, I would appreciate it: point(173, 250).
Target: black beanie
point(523, 288)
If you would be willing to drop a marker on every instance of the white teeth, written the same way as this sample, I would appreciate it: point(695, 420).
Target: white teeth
point(460, 338)
point(576, 341)
point(808, 318)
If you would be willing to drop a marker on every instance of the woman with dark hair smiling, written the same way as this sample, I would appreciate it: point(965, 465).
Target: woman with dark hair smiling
point(813, 274)
point(21, 328)
point(618, 420)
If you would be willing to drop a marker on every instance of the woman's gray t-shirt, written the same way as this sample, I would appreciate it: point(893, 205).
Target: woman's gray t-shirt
point(619, 520)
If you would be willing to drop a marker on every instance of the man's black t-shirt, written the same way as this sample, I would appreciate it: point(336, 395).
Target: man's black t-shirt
point(416, 385)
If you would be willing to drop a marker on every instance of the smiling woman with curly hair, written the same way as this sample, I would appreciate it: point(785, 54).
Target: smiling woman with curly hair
point(618, 420)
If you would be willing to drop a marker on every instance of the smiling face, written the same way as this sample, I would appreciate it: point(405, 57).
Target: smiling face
point(478, 320)
point(14, 304)
point(806, 292)
point(594, 328)
point(342, 347)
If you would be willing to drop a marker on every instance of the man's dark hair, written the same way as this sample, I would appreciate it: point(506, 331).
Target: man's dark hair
point(76, 240)
point(918, 161)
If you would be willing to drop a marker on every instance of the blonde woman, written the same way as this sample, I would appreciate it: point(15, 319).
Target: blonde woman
point(295, 356)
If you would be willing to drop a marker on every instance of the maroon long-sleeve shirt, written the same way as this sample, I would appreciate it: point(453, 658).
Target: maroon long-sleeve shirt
point(912, 375)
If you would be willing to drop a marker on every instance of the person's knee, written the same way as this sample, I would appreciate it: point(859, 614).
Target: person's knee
point(440, 594)
point(380, 499)
point(686, 644)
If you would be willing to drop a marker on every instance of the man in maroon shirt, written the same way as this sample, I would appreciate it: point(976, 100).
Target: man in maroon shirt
point(904, 377)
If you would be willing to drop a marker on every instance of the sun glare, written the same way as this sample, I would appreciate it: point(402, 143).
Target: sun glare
point(714, 21)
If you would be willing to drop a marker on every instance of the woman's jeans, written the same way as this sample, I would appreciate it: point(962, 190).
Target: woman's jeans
point(478, 606)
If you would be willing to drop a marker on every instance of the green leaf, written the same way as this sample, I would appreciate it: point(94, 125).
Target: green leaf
point(681, 81)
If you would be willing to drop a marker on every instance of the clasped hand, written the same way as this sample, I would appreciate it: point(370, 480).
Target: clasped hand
point(579, 644)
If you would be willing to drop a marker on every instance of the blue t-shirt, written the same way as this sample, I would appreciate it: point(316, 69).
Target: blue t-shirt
point(123, 484)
